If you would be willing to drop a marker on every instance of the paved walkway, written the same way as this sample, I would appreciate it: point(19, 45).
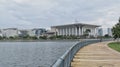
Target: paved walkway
point(96, 55)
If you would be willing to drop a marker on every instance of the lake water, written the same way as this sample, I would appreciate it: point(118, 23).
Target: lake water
point(31, 54)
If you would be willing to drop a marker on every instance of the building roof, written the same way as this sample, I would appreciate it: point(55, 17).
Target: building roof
point(76, 24)
point(39, 29)
point(10, 29)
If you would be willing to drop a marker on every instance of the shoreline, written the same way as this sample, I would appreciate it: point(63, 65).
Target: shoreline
point(59, 40)
point(40, 40)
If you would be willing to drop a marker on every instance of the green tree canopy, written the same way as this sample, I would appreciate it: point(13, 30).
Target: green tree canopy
point(87, 31)
point(116, 30)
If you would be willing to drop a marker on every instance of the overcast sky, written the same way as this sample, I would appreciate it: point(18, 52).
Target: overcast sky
point(46, 13)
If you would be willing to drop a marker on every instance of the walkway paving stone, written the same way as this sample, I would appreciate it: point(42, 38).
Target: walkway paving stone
point(96, 55)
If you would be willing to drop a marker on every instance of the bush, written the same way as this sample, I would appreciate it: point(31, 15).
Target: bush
point(11, 37)
point(107, 36)
point(43, 37)
point(33, 37)
point(26, 37)
point(52, 37)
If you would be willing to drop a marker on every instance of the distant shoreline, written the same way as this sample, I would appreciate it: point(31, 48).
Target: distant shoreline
point(57, 40)
point(72, 40)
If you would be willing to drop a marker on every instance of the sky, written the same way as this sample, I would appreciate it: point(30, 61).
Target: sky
point(46, 13)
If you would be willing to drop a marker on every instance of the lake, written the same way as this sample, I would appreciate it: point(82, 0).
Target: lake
point(31, 54)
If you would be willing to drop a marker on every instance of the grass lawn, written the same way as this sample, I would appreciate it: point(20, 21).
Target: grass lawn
point(115, 46)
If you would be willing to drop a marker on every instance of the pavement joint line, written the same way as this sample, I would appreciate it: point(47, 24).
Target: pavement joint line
point(95, 54)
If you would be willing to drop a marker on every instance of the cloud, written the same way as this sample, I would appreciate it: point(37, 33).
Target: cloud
point(46, 13)
point(21, 1)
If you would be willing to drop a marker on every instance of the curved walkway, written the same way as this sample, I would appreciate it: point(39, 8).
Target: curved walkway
point(96, 55)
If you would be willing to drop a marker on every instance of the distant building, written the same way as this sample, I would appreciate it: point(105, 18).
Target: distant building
point(39, 31)
point(76, 29)
point(49, 33)
point(109, 31)
point(100, 32)
point(23, 33)
point(1, 33)
point(33, 32)
point(10, 32)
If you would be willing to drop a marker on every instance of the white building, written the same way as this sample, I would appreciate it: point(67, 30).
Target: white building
point(77, 29)
point(31, 32)
point(10, 32)
point(109, 31)
point(100, 32)
point(1, 33)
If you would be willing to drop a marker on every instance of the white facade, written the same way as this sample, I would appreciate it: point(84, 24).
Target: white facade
point(1, 33)
point(74, 29)
point(10, 32)
point(109, 30)
point(31, 32)
point(100, 32)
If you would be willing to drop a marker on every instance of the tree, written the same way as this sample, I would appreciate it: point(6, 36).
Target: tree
point(11, 37)
point(52, 37)
point(33, 37)
point(87, 31)
point(116, 30)
point(26, 37)
point(1, 37)
point(43, 37)
point(106, 36)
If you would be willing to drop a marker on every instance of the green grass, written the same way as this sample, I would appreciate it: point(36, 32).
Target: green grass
point(115, 46)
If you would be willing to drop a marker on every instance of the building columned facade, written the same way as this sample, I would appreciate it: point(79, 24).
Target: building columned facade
point(77, 29)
